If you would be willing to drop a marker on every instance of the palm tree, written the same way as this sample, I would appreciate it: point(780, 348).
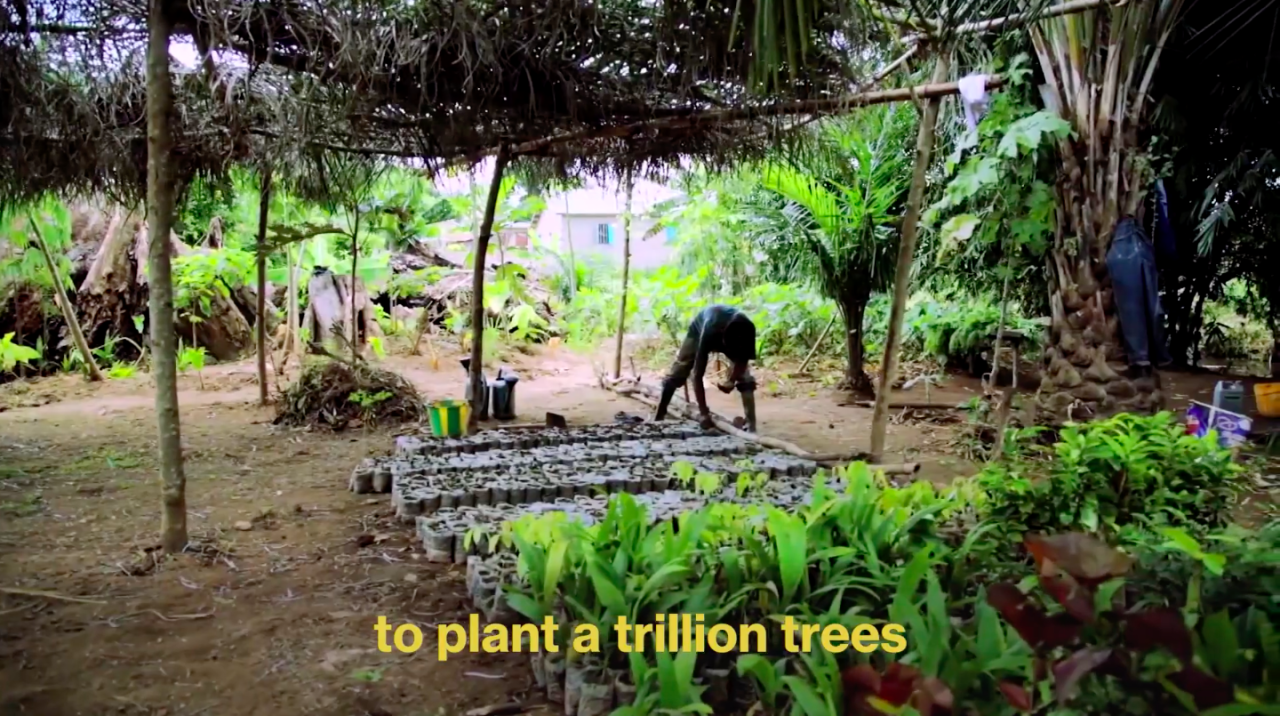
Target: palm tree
point(827, 216)
point(1096, 65)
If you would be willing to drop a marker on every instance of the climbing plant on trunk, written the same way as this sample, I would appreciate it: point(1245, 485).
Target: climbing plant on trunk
point(1098, 68)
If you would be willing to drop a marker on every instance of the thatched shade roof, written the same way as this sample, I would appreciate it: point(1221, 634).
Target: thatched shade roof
point(594, 87)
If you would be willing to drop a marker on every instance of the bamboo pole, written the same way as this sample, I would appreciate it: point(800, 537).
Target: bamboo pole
point(626, 271)
point(293, 339)
point(480, 252)
point(906, 254)
point(264, 208)
point(355, 308)
point(64, 305)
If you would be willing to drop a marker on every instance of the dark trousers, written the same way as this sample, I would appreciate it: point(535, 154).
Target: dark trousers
point(1134, 282)
point(686, 359)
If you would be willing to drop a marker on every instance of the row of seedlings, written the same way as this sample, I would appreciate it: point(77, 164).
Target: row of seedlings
point(503, 439)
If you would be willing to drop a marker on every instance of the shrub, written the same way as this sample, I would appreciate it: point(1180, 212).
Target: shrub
point(1109, 474)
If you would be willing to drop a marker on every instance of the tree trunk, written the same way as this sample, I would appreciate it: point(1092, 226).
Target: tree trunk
point(906, 254)
point(568, 237)
point(355, 306)
point(64, 305)
point(264, 207)
point(1102, 92)
point(293, 337)
point(477, 292)
point(626, 271)
point(1004, 318)
point(173, 523)
point(854, 309)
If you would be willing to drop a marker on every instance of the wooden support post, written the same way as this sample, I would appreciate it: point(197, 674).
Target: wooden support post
point(164, 339)
point(626, 271)
point(480, 252)
point(906, 254)
point(264, 208)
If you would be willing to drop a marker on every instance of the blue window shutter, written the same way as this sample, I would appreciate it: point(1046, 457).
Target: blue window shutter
point(610, 233)
point(671, 234)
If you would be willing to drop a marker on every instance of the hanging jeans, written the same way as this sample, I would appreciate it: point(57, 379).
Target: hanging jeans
point(1132, 265)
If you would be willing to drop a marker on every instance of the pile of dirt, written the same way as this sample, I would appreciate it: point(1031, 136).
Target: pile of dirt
point(340, 395)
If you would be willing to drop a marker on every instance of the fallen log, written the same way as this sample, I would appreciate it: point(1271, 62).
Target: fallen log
point(906, 405)
point(634, 389)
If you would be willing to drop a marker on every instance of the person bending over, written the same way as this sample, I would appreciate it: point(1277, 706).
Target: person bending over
point(716, 329)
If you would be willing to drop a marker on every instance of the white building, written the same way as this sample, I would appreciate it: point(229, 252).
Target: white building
point(591, 219)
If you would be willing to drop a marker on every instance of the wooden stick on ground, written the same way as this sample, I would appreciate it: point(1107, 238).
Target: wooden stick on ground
point(649, 395)
point(49, 595)
point(814, 351)
point(906, 405)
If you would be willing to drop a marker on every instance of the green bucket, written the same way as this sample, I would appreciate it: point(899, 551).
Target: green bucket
point(448, 417)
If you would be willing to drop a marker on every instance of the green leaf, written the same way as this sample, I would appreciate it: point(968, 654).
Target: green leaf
point(1221, 644)
point(1027, 134)
point(959, 228)
point(607, 592)
point(807, 698)
point(1243, 710)
point(554, 569)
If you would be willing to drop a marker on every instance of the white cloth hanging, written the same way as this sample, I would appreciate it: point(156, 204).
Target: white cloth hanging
point(973, 93)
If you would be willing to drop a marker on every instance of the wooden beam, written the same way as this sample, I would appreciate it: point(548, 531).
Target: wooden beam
point(835, 105)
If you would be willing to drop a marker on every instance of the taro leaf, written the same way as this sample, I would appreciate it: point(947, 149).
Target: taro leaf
point(860, 678)
point(898, 683)
point(1018, 697)
point(1057, 630)
point(1029, 620)
point(1073, 597)
point(1068, 672)
point(1208, 691)
point(1083, 556)
point(934, 697)
point(1161, 627)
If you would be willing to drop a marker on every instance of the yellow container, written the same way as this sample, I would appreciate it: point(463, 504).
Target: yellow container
point(1268, 397)
point(449, 417)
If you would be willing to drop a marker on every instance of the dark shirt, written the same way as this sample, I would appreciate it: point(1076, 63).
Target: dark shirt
point(724, 330)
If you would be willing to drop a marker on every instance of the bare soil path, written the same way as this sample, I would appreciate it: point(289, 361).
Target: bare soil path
point(277, 618)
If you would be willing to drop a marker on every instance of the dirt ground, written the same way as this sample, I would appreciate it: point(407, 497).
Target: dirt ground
point(278, 618)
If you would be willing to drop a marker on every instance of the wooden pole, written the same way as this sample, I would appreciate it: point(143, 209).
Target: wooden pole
point(64, 305)
point(906, 254)
point(355, 308)
point(264, 208)
point(567, 225)
point(626, 271)
point(814, 351)
point(293, 340)
point(481, 250)
point(164, 340)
